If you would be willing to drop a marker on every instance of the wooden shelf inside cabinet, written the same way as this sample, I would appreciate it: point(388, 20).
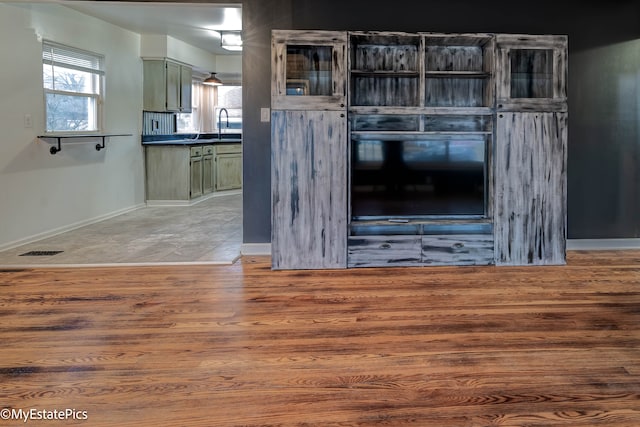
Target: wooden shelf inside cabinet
point(471, 225)
point(385, 73)
point(468, 39)
point(458, 74)
point(407, 136)
point(449, 111)
point(59, 138)
point(457, 111)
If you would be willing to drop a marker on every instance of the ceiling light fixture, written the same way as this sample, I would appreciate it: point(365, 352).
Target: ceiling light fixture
point(231, 40)
point(212, 80)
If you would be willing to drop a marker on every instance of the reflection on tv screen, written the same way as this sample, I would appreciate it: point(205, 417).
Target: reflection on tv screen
point(415, 178)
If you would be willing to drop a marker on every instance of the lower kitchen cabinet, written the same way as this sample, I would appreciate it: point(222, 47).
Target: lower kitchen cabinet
point(180, 173)
point(208, 178)
point(169, 172)
point(228, 167)
point(195, 167)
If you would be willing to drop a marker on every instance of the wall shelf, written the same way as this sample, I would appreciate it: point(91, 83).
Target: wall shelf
point(59, 138)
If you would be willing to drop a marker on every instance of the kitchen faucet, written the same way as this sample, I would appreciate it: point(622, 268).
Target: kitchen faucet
point(220, 121)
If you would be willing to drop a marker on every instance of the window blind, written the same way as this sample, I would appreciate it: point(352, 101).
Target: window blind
point(59, 55)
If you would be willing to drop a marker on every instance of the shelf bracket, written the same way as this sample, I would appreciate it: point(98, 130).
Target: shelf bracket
point(101, 146)
point(54, 149)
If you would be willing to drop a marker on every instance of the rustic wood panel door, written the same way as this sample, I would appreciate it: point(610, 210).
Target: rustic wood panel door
point(309, 191)
point(530, 188)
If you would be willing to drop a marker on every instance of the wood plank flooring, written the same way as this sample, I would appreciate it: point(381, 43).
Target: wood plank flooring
point(242, 345)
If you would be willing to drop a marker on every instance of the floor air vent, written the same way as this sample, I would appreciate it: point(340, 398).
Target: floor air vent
point(41, 253)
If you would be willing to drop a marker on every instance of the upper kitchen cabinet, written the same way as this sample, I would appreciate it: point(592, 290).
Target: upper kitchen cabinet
point(309, 70)
point(531, 72)
point(167, 86)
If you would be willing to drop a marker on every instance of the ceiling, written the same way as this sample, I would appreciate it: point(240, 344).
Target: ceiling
point(190, 22)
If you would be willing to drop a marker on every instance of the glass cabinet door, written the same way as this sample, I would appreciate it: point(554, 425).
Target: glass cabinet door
point(531, 72)
point(308, 70)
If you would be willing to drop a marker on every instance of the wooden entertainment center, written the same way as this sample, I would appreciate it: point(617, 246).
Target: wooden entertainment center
point(412, 149)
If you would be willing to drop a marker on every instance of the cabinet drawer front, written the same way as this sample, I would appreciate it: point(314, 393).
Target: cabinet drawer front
point(196, 151)
point(228, 148)
point(469, 249)
point(384, 251)
point(207, 149)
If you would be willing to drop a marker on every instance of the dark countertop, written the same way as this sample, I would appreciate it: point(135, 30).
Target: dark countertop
point(210, 138)
point(215, 141)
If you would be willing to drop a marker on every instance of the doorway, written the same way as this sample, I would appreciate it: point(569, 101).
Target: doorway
point(185, 22)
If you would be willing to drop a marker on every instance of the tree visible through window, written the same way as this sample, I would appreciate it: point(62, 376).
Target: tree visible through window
point(72, 81)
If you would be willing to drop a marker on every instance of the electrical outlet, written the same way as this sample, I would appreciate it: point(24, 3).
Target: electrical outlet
point(265, 115)
point(28, 121)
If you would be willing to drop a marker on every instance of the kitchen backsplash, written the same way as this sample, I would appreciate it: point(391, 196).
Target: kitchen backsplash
point(158, 123)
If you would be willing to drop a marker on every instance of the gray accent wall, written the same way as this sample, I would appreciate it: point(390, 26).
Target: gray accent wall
point(259, 17)
point(604, 90)
point(604, 137)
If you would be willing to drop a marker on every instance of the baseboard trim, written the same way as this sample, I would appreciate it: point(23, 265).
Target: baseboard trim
point(602, 244)
point(168, 203)
point(118, 264)
point(248, 249)
point(66, 228)
point(183, 203)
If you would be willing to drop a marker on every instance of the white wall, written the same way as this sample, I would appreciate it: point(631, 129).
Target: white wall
point(162, 46)
point(229, 68)
point(41, 193)
point(229, 63)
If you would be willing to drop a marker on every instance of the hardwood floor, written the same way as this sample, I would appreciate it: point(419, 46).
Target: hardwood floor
point(242, 345)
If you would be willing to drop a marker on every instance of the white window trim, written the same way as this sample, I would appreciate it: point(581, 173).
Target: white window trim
point(98, 97)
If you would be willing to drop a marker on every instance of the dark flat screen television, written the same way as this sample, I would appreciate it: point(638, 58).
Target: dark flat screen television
point(421, 177)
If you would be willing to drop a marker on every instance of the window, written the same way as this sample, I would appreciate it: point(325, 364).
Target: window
point(229, 98)
point(206, 103)
point(73, 82)
point(200, 120)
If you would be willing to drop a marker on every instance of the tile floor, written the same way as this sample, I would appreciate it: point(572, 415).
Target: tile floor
point(209, 232)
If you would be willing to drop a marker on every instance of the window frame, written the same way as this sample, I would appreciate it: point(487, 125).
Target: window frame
point(231, 110)
point(61, 56)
